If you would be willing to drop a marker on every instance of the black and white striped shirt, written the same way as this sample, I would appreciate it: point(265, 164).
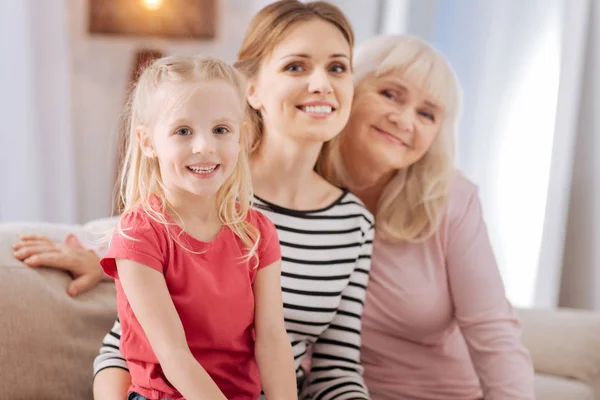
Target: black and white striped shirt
point(326, 257)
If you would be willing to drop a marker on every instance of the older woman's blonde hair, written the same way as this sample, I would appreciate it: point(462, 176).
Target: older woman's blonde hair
point(141, 181)
point(412, 204)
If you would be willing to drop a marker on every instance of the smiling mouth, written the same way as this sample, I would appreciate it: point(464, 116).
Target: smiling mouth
point(317, 110)
point(391, 137)
point(204, 170)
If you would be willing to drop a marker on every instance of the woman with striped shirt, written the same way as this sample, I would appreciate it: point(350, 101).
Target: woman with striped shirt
point(297, 58)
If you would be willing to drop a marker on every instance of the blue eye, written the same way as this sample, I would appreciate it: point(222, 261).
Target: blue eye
point(221, 130)
point(183, 132)
point(338, 69)
point(294, 68)
point(389, 94)
point(427, 115)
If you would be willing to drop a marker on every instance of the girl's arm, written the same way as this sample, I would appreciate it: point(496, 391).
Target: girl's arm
point(273, 350)
point(150, 301)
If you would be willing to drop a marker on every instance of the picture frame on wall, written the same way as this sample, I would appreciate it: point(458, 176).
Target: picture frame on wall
point(175, 19)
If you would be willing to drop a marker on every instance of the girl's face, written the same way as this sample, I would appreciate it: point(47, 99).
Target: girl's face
point(304, 88)
point(392, 124)
point(196, 139)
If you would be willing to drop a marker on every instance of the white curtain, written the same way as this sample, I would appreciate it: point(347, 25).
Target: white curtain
point(37, 170)
point(580, 285)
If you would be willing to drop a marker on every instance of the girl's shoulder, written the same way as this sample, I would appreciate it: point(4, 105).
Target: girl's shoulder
point(142, 217)
point(259, 220)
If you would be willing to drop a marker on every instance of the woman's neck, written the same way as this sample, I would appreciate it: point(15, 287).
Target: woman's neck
point(367, 184)
point(283, 170)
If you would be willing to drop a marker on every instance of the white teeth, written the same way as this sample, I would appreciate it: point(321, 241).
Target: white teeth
point(203, 170)
point(317, 109)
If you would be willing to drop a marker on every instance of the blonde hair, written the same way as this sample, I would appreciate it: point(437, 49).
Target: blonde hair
point(266, 30)
point(140, 178)
point(411, 206)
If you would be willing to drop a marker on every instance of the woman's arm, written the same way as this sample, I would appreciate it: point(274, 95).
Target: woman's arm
point(71, 256)
point(273, 350)
point(150, 301)
point(110, 367)
point(486, 318)
point(111, 384)
point(336, 370)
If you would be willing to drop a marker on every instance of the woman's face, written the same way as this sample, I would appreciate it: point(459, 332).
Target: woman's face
point(392, 124)
point(304, 87)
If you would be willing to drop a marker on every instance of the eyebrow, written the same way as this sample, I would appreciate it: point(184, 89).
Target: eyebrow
point(304, 55)
point(216, 121)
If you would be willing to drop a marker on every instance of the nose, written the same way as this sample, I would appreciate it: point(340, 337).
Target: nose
point(403, 118)
point(203, 143)
point(319, 82)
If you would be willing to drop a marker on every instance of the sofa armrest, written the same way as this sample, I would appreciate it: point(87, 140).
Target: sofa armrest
point(563, 342)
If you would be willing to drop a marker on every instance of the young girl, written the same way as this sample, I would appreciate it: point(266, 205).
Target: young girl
point(197, 270)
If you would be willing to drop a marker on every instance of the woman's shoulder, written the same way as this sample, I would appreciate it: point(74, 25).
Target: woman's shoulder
point(345, 206)
point(461, 191)
point(463, 199)
point(350, 204)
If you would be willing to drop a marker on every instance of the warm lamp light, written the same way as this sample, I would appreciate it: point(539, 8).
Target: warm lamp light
point(175, 19)
point(152, 5)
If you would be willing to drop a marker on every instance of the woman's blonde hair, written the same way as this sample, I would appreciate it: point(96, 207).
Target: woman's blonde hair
point(267, 29)
point(140, 179)
point(412, 204)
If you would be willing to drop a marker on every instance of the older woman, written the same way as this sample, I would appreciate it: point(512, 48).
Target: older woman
point(437, 324)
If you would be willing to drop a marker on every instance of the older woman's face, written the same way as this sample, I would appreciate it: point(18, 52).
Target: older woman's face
point(392, 124)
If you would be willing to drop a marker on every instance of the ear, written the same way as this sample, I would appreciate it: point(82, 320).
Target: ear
point(253, 98)
point(145, 141)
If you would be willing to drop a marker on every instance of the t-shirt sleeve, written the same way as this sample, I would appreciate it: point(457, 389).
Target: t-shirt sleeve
point(268, 244)
point(137, 238)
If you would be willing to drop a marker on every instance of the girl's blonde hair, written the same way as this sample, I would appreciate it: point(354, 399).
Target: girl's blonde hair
point(412, 204)
point(140, 178)
point(267, 29)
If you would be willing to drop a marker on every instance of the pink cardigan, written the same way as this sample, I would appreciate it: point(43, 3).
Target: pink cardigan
point(437, 324)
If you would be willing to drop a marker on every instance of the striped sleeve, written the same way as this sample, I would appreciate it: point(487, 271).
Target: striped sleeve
point(110, 353)
point(336, 371)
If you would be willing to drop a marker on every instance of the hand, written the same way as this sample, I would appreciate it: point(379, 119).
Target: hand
point(71, 256)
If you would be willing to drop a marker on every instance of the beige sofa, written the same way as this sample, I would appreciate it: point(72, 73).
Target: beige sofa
point(49, 340)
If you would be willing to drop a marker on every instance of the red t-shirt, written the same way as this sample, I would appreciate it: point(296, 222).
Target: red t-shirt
point(212, 292)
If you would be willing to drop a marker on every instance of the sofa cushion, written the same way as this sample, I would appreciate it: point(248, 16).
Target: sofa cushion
point(48, 340)
point(549, 387)
point(564, 343)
